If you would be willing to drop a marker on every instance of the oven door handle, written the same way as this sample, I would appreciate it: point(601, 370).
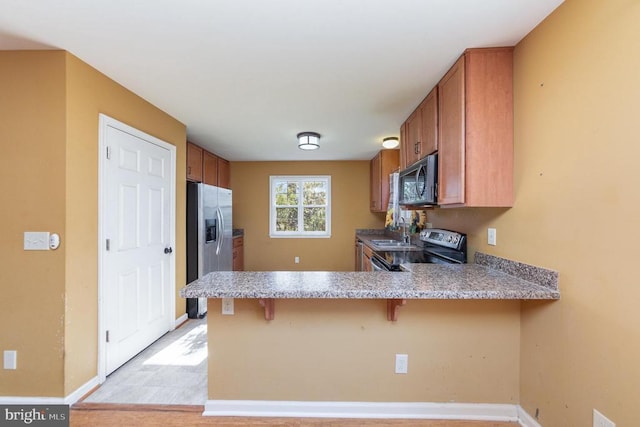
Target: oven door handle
point(376, 265)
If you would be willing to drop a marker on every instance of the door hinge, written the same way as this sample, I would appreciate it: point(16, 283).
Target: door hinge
point(108, 152)
point(107, 336)
point(108, 244)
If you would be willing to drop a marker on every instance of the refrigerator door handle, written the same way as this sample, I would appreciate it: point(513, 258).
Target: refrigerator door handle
point(222, 226)
point(219, 231)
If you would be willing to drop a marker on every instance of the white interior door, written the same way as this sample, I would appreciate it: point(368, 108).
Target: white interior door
point(137, 260)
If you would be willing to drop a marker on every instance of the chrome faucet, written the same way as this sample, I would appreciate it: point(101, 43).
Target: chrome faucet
point(405, 236)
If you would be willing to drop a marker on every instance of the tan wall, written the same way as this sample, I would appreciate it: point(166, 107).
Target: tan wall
point(576, 167)
point(349, 210)
point(32, 198)
point(344, 350)
point(90, 93)
point(49, 170)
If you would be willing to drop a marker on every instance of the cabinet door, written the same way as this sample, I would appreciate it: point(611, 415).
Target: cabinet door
point(429, 112)
point(374, 184)
point(238, 254)
point(403, 146)
point(224, 173)
point(384, 163)
point(194, 162)
point(366, 259)
point(451, 133)
point(414, 137)
point(210, 168)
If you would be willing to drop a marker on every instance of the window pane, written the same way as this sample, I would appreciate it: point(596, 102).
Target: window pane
point(314, 219)
point(286, 219)
point(315, 193)
point(286, 193)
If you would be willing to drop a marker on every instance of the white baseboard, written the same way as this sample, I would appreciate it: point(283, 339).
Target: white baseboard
point(180, 320)
point(525, 419)
point(445, 411)
point(84, 389)
point(26, 400)
point(69, 400)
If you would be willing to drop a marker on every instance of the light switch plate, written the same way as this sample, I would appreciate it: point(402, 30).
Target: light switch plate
point(491, 236)
point(36, 240)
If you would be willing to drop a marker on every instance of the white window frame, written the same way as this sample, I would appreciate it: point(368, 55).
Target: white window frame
point(273, 233)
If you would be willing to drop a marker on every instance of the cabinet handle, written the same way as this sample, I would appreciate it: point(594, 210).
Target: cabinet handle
point(416, 148)
point(188, 170)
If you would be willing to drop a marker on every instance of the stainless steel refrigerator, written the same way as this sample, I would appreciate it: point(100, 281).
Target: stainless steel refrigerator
point(209, 234)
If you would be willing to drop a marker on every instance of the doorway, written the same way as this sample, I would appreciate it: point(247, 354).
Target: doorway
point(136, 287)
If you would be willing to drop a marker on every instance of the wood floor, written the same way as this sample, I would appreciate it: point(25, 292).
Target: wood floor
point(109, 415)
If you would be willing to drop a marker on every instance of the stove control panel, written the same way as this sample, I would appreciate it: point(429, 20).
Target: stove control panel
point(446, 238)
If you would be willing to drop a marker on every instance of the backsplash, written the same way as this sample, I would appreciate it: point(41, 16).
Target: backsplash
point(538, 275)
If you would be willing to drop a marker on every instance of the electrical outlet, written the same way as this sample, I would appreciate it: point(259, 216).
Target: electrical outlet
point(600, 420)
point(227, 306)
point(491, 236)
point(428, 225)
point(10, 359)
point(402, 363)
point(297, 260)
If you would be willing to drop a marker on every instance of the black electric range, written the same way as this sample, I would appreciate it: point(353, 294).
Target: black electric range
point(439, 247)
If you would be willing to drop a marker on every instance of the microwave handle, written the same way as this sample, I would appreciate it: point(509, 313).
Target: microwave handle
point(418, 192)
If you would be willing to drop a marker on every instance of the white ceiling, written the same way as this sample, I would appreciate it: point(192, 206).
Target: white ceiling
point(246, 76)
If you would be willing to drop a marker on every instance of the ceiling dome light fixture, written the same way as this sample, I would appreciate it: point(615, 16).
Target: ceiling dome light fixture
point(390, 142)
point(308, 140)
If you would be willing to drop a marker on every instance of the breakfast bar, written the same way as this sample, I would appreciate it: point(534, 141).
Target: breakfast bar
point(416, 281)
point(336, 337)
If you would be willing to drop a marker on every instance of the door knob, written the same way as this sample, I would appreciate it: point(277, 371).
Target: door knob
point(168, 250)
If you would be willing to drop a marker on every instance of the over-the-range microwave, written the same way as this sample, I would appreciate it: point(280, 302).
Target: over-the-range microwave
point(418, 182)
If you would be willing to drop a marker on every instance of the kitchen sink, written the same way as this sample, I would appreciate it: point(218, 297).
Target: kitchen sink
point(385, 242)
point(392, 244)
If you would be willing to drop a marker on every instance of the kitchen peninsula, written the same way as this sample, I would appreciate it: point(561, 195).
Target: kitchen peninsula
point(330, 340)
point(417, 281)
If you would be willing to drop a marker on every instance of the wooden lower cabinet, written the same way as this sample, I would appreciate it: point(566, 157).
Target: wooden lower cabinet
point(238, 253)
point(367, 253)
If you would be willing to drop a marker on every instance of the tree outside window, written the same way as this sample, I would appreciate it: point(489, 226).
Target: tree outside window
point(300, 206)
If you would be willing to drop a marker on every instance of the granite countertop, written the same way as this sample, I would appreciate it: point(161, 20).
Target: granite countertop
point(420, 281)
point(489, 277)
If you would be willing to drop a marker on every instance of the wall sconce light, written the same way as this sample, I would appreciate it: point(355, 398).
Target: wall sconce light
point(308, 140)
point(390, 142)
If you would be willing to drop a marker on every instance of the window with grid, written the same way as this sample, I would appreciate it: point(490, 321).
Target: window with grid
point(300, 206)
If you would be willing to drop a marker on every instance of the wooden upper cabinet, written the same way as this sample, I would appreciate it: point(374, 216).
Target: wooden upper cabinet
point(475, 133)
point(210, 168)
point(413, 130)
point(194, 162)
point(419, 133)
point(384, 163)
point(403, 144)
point(374, 185)
point(224, 173)
point(429, 115)
point(203, 166)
